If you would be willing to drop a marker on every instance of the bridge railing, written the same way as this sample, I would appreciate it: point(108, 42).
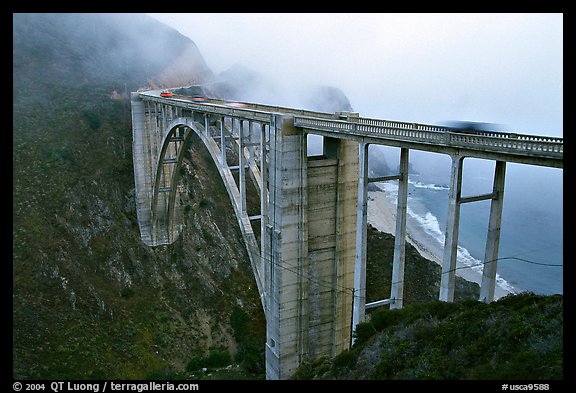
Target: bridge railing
point(212, 108)
point(438, 135)
point(431, 127)
point(276, 109)
point(521, 143)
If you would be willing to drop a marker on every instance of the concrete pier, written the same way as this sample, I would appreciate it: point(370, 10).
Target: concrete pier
point(397, 291)
point(155, 154)
point(490, 262)
point(311, 224)
point(448, 277)
point(493, 239)
point(359, 312)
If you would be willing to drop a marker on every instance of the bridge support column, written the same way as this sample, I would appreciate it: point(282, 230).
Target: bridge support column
point(397, 291)
point(488, 285)
point(251, 142)
point(448, 278)
point(359, 311)
point(142, 156)
point(287, 245)
point(222, 144)
point(331, 217)
point(264, 256)
point(241, 168)
point(310, 240)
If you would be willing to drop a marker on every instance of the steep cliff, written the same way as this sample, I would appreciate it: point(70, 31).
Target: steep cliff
point(90, 300)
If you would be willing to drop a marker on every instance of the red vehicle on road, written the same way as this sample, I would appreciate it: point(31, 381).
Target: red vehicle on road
point(166, 93)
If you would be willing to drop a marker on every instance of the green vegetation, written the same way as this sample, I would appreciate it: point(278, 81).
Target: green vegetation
point(216, 357)
point(517, 337)
point(251, 338)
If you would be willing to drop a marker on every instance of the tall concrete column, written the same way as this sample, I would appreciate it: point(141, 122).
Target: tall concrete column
point(311, 235)
point(288, 248)
point(241, 168)
point(251, 142)
point(359, 310)
point(493, 240)
point(155, 134)
point(263, 209)
point(448, 277)
point(143, 175)
point(331, 221)
point(346, 213)
point(160, 131)
point(222, 143)
point(397, 291)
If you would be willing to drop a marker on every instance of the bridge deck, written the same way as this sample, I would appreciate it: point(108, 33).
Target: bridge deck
point(502, 146)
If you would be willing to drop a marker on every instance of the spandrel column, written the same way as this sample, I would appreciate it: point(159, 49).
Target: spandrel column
point(448, 277)
point(488, 286)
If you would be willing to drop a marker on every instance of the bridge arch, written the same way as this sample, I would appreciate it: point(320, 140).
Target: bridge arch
point(174, 141)
point(166, 178)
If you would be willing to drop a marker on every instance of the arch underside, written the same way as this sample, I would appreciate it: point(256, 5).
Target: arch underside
point(166, 217)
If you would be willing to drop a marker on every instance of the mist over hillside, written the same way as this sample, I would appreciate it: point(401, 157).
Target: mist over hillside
point(79, 49)
point(241, 83)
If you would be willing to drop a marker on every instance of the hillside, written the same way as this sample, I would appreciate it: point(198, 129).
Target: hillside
point(421, 276)
point(518, 337)
point(90, 300)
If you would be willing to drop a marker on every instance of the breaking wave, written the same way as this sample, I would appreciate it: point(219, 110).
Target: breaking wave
point(434, 187)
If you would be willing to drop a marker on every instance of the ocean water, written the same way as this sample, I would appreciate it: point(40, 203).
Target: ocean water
point(531, 238)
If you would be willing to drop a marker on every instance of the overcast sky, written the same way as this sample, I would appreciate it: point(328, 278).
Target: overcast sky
point(497, 68)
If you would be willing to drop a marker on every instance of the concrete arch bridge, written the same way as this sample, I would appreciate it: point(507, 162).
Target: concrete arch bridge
point(310, 261)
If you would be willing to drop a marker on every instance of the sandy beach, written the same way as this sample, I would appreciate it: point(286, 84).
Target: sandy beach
point(382, 216)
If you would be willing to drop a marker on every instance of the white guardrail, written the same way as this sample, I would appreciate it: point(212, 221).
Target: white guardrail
point(431, 134)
